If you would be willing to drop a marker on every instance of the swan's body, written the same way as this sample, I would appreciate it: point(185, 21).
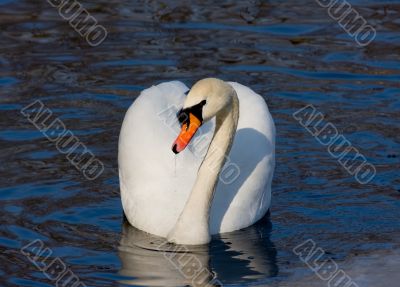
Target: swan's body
point(178, 197)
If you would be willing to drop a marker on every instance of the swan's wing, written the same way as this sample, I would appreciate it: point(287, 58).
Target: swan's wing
point(243, 194)
point(155, 183)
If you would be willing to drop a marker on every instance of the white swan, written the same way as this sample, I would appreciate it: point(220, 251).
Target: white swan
point(188, 196)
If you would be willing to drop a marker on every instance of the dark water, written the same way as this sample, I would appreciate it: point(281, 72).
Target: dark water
point(290, 52)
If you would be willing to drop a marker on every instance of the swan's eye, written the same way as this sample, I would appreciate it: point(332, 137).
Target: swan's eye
point(183, 116)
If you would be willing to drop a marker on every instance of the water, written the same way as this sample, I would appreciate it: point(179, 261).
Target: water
point(292, 53)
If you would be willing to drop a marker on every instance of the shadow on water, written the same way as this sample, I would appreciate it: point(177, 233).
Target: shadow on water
point(243, 256)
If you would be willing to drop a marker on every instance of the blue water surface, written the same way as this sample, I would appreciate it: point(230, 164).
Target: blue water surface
point(290, 52)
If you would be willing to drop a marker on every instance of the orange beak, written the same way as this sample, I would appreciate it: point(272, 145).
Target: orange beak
point(187, 132)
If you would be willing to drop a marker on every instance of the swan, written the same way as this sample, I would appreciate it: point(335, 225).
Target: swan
point(217, 175)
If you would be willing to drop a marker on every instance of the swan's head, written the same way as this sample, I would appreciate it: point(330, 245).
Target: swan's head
point(204, 101)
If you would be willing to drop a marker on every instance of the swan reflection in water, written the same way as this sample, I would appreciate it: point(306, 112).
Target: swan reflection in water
point(242, 256)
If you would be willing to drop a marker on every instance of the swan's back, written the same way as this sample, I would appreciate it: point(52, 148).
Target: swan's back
point(155, 183)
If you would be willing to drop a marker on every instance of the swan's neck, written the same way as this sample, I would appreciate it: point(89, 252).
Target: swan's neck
point(192, 226)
